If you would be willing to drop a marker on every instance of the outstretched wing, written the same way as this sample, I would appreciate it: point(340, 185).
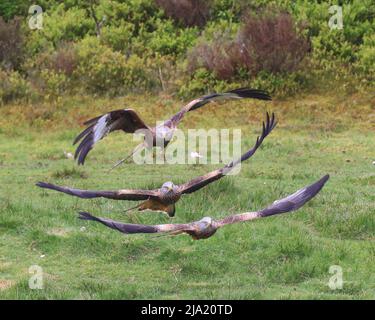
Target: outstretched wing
point(129, 228)
point(233, 94)
point(202, 181)
point(124, 194)
point(126, 120)
point(287, 204)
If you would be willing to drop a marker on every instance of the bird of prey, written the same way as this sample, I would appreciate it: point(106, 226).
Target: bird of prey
point(129, 121)
point(207, 226)
point(164, 198)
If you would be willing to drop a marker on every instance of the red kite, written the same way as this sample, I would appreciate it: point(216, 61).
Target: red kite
point(207, 226)
point(129, 121)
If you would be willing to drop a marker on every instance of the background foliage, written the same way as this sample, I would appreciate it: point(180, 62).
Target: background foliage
point(107, 47)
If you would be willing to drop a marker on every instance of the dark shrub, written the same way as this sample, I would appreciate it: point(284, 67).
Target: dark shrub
point(11, 43)
point(270, 42)
point(52, 72)
point(13, 87)
point(267, 42)
point(188, 12)
point(218, 56)
point(64, 60)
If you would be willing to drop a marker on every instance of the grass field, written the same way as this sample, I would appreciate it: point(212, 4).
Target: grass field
point(282, 257)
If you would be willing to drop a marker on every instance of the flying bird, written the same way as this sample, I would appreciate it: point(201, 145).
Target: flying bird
point(164, 198)
point(129, 121)
point(207, 226)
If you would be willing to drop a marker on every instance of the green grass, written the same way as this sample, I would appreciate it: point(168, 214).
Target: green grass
point(282, 257)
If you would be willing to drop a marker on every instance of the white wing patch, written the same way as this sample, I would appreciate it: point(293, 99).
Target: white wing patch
point(292, 196)
point(230, 95)
point(100, 129)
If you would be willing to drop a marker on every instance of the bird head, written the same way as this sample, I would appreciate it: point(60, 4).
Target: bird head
point(206, 220)
point(168, 186)
point(204, 228)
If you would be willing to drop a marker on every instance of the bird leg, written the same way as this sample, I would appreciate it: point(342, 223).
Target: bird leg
point(124, 159)
point(145, 205)
point(132, 208)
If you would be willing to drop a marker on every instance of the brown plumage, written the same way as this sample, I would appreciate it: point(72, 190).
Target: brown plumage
point(164, 198)
point(207, 226)
point(129, 121)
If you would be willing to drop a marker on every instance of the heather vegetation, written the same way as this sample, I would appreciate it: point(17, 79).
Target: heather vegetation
point(188, 47)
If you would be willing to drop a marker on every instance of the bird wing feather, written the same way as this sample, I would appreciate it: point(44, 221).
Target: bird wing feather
point(98, 127)
point(129, 228)
point(287, 204)
point(233, 94)
point(200, 182)
point(124, 194)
